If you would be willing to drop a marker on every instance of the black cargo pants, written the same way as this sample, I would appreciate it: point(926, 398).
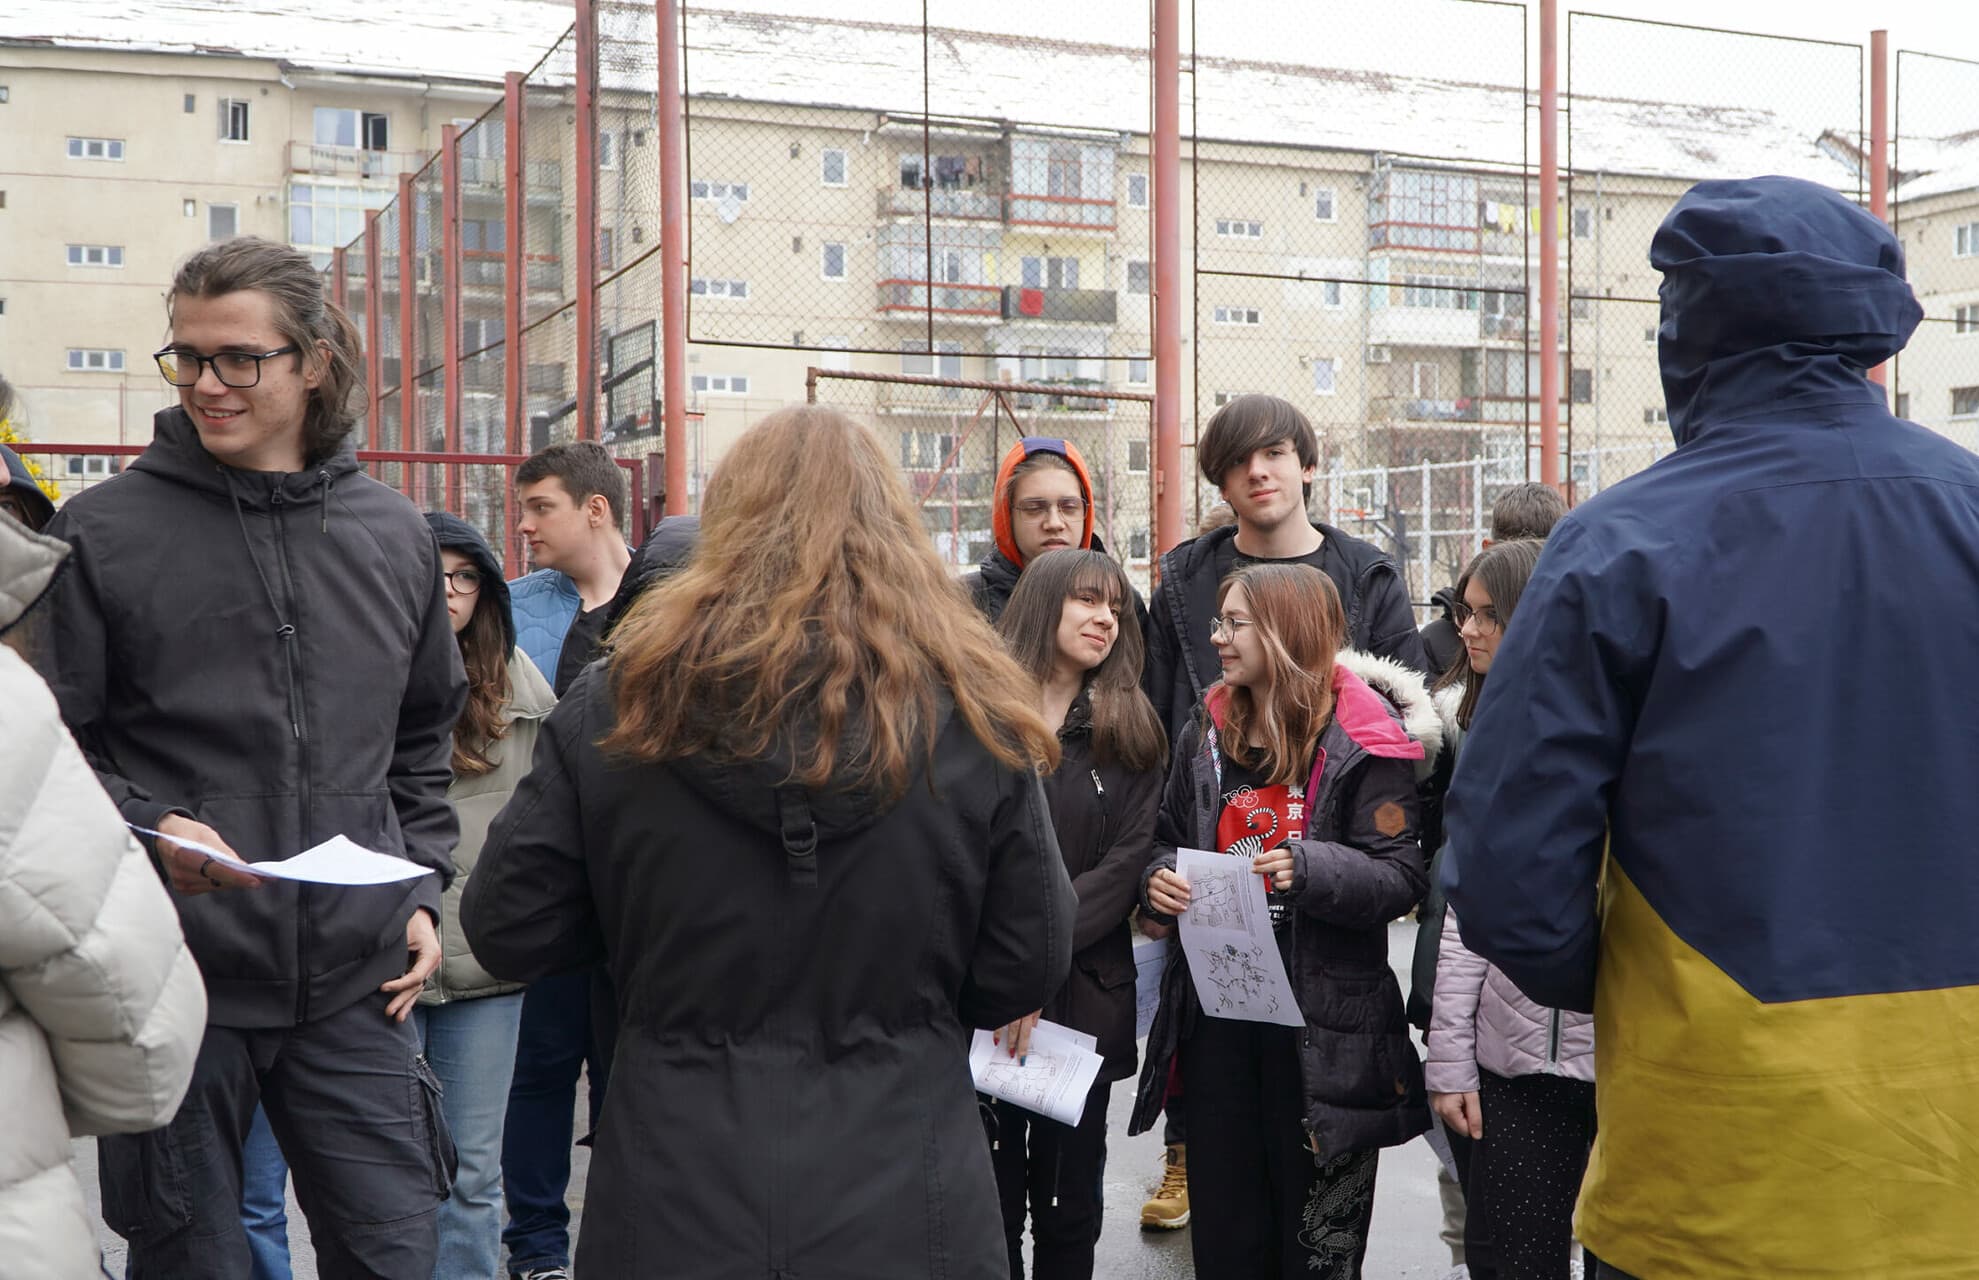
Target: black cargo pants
point(357, 1112)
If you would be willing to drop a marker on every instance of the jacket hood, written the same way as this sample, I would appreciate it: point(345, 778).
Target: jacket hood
point(1446, 599)
point(29, 563)
point(1774, 288)
point(530, 694)
point(667, 548)
point(455, 534)
point(176, 454)
point(1006, 538)
point(20, 481)
point(1364, 689)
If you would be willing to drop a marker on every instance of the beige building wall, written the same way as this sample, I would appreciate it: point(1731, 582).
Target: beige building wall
point(1936, 378)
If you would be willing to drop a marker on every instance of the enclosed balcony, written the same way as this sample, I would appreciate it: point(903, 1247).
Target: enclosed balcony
point(1077, 306)
point(957, 301)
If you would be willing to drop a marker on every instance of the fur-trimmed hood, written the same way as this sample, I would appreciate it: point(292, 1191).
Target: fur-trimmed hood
point(1409, 692)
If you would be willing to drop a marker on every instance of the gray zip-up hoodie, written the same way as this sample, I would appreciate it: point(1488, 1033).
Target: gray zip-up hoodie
point(269, 654)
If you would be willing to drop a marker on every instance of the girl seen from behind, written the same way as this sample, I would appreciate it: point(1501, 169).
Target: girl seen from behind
point(1305, 757)
point(798, 817)
point(1069, 623)
point(1512, 1080)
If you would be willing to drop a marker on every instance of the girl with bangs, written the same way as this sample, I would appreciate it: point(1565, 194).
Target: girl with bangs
point(1304, 758)
point(797, 816)
point(1068, 623)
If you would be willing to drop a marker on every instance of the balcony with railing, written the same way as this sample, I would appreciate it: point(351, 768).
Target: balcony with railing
point(1036, 398)
point(976, 204)
point(1419, 409)
point(1077, 306)
point(1060, 213)
point(353, 162)
point(484, 269)
point(486, 175)
point(956, 301)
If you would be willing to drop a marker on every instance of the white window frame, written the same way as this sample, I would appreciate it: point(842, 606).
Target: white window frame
point(105, 360)
point(105, 149)
point(1147, 278)
point(607, 249)
point(1145, 460)
point(824, 260)
point(1654, 417)
point(1973, 412)
point(844, 166)
point(1965, 320)
point(1582, 221)
point(1139, 180)
point(607, 149)
point(227, 106)
point(1240, 228)
point(110, 256)
point(711, 287)
point(211, 209)
point(719, 384)
point(1965, 240)
point(702, 189)
point(1332, 295)
point(1140, 368)
point(189, 207)
point(1330, 367)
point(1245, 316)
point(1332, 205)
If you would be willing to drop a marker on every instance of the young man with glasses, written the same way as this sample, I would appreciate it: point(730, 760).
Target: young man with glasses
point(252, 645)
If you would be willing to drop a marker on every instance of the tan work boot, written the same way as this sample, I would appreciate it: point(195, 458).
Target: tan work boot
point(1168, 1207)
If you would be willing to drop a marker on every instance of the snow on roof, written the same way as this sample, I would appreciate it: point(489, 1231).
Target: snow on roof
point(1937, 166)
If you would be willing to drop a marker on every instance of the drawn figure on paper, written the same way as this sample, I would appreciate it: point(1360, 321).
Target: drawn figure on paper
point(1240, 979)
point(1214, 903)
point(1025, 1086)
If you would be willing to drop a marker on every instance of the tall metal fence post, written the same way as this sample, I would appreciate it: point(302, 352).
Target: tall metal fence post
point(339, 289)
point(586, 230)
point(1477, 502)
point(673, 260)
point(1879, 149)
point(1425, 532)
point(1167, 178)
point(374, 302)
point(515, 283)
point(450, 300)
point(1549, 242)
point(410, 436)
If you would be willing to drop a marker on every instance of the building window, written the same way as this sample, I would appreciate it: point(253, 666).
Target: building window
point(1965, 402)
point(477, 335)
point(833, 265)
point(732, 384)
point(1222, 398)
point(607, 249)
point(607, 149)
point(1965, 319)
point(1137, 278)
point(1137, 370)
point(946, 362)
point(831, 167)
point(1324, 376)
point(1050, 273)
point(1330, 294)
point(1239, 229)
point(1965, 238)
point(1445, 293)
point(190, 208)
point(1236, 315)
point(5, 93)
point(1322, 205)
point(348, 127)
point(96, 148)
point(718, 190)
point(95, 360)
point(1583, 224)
point(1655, 417)
point(326, 215)
point(1580, 306)
point(192, 103)
point(1137, 456)
point(96, 255)
point(1583, 386)
point(1137, 191)
point(223, 221)
point(702, 286)
point(482, 235)
point(233, 120)
point(1137, 544)
point(94, 466)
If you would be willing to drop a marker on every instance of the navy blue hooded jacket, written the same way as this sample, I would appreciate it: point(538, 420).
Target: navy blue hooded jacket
point(1732, 673)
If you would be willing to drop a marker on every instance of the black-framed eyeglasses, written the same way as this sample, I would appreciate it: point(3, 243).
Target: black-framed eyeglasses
point(464, 582)
point(237, 369)
point(1222, 624)
point(1069, 509)
point(1487, 617)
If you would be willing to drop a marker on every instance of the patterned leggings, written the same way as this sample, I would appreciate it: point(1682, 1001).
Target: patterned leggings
point(1525, 1175)
point(1264, 1206)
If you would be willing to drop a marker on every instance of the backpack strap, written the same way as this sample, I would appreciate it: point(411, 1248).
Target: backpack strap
point(800, 836)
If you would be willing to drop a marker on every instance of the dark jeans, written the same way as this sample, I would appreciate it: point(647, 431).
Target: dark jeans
point(1264, 1205)
point(554, 1043)
point(1059, 1171)
point(357, 1113)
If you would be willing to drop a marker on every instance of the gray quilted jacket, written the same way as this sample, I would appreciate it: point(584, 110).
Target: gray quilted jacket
point(101, 1005)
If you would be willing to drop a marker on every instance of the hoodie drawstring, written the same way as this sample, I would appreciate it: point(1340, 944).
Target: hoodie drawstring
point(323, 474)
point(284, 629)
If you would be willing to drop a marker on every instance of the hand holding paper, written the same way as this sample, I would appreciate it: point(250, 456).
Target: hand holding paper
point(1226, 935)
point(206, 859)
point(196, 859)
point(1053, 1078)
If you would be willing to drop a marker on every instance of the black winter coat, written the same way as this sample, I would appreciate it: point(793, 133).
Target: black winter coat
point(991, 582)
point(271, 655)
point(1442, 644)
point(1104, 817)
point(1182, 662)
point(1358, 867)
point(797, 974)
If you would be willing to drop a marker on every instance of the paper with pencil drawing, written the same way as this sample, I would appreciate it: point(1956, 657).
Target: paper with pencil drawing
point(1226, 936)
point(1053, 1079)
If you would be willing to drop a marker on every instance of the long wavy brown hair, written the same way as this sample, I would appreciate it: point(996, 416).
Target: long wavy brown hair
point(484, 652)
point(1125, 727)
point(1296, 613)
point(815, 620)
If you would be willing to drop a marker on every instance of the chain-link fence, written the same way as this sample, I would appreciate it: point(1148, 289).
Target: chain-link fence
point(1934, 207)
point(1655, 107)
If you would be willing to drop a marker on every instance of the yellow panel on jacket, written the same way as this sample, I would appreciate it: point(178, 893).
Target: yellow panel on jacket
point(1712, 1104)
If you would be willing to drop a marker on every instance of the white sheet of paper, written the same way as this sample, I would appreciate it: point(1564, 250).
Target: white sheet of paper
point(1226, 935)
point(1053, 1079)
point(338, 860)
point(1150, 958)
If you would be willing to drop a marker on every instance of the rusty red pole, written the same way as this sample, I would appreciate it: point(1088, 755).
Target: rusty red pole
point(1879, 148)
point(374, 296)
point(339, 287)
point(673, 261)
point(450, 299)
point(587, 219)
point(1549, 242)
point(1169, 482)
point(515, 281)
point(411, 436)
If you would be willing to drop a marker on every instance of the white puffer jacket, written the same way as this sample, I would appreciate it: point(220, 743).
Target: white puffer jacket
point(101, 1005)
